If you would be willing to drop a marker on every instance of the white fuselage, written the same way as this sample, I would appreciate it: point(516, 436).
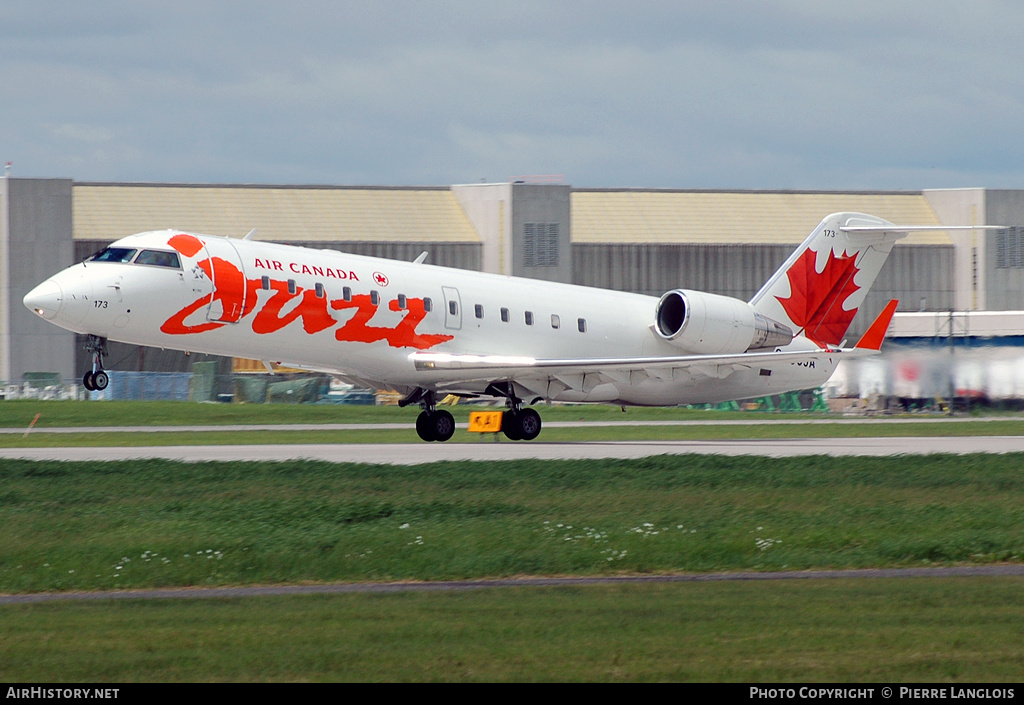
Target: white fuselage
point(363, 318)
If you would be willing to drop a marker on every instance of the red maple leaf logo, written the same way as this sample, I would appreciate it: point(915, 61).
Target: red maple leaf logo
point(816, 298)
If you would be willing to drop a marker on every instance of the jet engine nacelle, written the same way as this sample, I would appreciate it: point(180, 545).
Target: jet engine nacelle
point(710, 324)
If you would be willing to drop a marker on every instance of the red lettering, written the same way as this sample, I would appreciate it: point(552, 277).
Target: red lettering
point(404, 334)
point(238, 297)
point(318, 271)
point(356, 330)
point(310, 308)
point(175, 325)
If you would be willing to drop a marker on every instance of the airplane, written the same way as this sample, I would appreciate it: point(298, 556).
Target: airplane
point(428, 331)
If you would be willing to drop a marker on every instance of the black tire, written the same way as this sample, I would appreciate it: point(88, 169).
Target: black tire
point(88, 383)
point(444, 426)
point(100, 380)
point(425, 426)
point(529, 424)
point(510, 425)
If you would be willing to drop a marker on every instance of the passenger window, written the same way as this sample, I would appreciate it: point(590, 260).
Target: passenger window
point(479, 310)
point(291, 286)
point(529, 318)
point(555, 321)
point(346, 293)
point(402, 301)
point(504, 315)
point(265, 283)
point(374, 297)
point(319, 290)
point(581, 325)
point(453, 308)
point(428, 305)
point(158, 258)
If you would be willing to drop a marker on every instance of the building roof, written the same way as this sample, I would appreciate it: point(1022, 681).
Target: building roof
point(425, 214)
point(716, 217)
point(330, 214)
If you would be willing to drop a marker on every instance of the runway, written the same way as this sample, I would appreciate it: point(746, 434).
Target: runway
point(490, 450)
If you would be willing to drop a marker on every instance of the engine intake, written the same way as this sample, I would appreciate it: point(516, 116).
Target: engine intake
point(715, 325)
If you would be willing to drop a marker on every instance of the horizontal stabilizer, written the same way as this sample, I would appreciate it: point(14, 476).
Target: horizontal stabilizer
point(872, 339)
point(914, 228)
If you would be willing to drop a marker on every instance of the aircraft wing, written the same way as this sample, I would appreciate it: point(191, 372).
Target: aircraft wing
point(615, 369)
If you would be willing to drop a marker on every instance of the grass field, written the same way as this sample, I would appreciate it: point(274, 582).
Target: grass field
point(89, 526)
point(849, 631)
point(20, 414)
point(126, 524)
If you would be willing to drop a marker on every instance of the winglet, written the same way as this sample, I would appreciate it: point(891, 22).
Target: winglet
point(872, 339)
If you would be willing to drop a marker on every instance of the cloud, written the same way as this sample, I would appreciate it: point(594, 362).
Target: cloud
point(732, 94)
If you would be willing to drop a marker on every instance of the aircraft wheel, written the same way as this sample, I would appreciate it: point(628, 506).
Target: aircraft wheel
point(510, 425)
point(425, 426)
point(529, 424)
point(87, 382)
point(444, 426)
point(100, 380)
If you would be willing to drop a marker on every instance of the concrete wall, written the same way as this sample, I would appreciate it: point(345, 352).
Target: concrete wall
point(35, 243)
point(489, 208)
point(525, 228)
point(964, 206)
point(541, 227)
point(1004, 280)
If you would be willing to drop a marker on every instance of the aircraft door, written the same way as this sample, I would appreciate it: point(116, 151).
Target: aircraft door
point(228, 279)
point(452, 308)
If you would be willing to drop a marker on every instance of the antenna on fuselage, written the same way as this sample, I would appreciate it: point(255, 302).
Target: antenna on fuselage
point(421, 258)
point(250, 235)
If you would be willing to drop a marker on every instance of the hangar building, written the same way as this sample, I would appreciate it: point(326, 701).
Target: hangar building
point(641, 240)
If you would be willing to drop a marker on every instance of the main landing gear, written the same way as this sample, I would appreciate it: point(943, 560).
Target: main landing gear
point(520, 424)
point(96, 379)
point(433, 424)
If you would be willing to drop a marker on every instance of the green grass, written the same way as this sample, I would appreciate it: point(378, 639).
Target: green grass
point(850, 631)
point(82, 526)
point(550, 435)
point(90, 526)
point(19, 414)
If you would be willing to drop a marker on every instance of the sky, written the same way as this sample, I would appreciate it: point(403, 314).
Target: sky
point(791, 94)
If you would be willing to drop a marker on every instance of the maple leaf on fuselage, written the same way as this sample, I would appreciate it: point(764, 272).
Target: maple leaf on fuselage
point(816, 298)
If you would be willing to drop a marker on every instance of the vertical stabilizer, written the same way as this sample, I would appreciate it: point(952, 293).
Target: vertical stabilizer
point(819, 289)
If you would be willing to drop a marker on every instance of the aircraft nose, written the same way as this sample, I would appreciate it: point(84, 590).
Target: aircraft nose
point(45, 300)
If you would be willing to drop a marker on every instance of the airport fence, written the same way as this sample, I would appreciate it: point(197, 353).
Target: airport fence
point(201, 385)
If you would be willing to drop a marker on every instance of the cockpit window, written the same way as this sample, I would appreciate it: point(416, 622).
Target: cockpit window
point(113, 254)
point(158, 258)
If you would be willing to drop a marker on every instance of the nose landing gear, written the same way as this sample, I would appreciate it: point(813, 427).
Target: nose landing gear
point(96, 379)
